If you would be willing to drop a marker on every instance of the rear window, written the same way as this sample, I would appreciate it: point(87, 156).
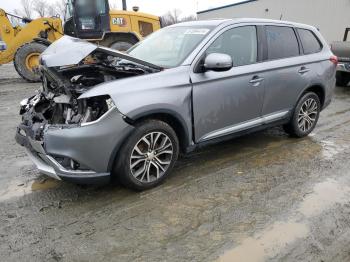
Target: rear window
point(281, 42)
point(310, 42)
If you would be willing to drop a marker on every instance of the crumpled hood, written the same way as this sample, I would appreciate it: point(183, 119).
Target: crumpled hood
point(71, 67)
point(70, 51)
point(66, 51)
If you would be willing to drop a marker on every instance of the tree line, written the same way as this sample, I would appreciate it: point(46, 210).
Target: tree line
point(41, 8)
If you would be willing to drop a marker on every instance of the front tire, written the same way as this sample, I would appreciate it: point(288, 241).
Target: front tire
point(147, 156)
point(26, 61)
point(305, 116)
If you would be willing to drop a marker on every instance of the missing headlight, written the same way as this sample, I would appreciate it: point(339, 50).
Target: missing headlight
point(95, 108)
point(110, 103)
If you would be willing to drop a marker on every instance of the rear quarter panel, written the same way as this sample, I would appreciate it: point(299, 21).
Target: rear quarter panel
point(284, 85)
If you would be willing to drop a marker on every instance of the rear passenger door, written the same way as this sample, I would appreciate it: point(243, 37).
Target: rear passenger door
point(286, 74)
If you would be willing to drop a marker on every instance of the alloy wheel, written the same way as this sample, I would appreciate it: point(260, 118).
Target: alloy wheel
point(308, 115)
point(151, 157)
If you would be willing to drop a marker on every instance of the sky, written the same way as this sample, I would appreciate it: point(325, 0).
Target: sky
point(156, 7)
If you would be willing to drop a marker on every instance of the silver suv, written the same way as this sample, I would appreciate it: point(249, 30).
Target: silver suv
point(103, 114)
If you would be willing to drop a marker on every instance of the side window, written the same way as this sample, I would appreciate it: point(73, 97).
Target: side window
point(240, 43)
point(281, 42)
point(68, 10)
point(309, 41)
point(145, 28)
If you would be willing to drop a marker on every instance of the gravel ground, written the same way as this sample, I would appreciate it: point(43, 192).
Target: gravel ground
point(262, 197)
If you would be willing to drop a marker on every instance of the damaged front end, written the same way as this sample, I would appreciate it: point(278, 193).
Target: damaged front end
point(72, 138)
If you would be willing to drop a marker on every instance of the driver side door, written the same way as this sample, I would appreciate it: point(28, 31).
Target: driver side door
point(230, 101)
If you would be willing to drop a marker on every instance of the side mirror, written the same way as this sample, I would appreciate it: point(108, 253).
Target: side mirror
point(218, 62)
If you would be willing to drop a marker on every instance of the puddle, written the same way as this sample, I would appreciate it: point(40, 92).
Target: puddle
point(325, 195)
point(267, 244)
point(273, 240)
point(275, 152)
point(340, 112)
point(330, 149)
point(45, 185)
point(19, 189)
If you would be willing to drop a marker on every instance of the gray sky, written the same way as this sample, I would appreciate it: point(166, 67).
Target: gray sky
point(156, 7)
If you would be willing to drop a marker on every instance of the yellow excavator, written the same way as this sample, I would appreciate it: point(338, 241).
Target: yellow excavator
point(86, 19)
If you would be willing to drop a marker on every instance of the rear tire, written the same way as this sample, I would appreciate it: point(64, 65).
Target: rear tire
point(305, 116)
point(147, 156)
point(343, 79)
point(26, 61)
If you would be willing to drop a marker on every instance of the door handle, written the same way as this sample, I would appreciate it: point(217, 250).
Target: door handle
point(256, 80)
point(303, 70)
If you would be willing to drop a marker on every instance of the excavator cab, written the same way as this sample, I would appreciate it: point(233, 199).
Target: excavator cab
point(87, 19)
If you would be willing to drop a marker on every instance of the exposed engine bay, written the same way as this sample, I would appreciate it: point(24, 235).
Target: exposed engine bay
point(57, 102)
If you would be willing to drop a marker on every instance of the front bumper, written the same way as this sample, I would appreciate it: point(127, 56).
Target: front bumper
point(49, 166)
point(94, 146)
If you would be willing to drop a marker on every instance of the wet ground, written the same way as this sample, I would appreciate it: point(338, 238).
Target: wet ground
point(262, 197)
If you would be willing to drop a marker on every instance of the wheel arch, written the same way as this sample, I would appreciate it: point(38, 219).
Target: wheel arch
point(173, 119)
point(318, 89)
point(170, 117)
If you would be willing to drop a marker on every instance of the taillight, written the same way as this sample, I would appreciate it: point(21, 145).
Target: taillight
point(334, 59)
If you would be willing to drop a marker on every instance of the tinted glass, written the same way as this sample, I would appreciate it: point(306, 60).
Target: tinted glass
point(240, 43)
point(281, 42)
point(145, 28)
point(68, 10)
point(309, 41)
point(90, 7)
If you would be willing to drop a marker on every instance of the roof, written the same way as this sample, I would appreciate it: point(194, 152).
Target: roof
point(212, 22)
point(226, 6)
point(225, 22)
point(133, 13)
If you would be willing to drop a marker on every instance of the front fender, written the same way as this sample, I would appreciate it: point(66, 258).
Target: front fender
point(168, 91)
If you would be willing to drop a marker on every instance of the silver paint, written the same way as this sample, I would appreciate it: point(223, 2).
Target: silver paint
point(208, 105)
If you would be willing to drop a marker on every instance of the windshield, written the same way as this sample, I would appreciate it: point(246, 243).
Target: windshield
point(170, 46)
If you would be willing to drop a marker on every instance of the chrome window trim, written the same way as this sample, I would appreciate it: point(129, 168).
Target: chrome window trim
point(245, 125)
